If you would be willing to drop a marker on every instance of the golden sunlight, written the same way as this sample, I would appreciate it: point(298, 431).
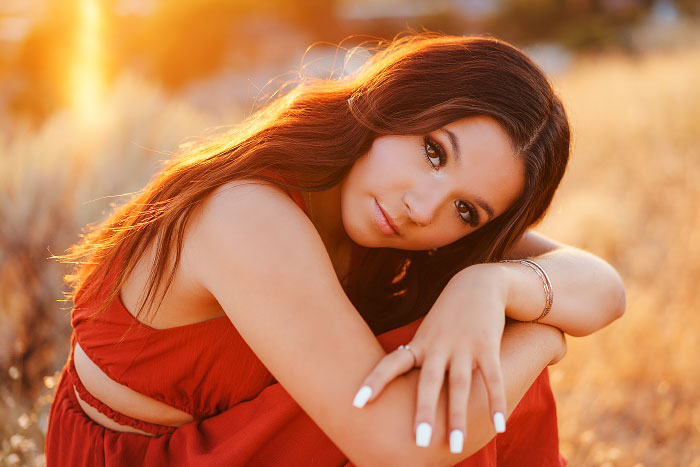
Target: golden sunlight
point(87, 80)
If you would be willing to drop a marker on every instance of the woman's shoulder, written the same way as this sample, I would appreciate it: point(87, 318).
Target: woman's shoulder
point(242, 204)
point(247, 220)
point(248, 190)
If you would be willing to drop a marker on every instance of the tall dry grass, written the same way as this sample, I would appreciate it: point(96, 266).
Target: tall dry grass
point(630, 394)
point(53, 182)
point(627, 395)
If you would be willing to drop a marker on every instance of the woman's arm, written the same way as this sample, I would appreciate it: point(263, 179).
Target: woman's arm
point(262, 259)
point(464, 327)
point(588, 292)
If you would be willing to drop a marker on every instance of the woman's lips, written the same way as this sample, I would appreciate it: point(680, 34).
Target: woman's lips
point(383, 220)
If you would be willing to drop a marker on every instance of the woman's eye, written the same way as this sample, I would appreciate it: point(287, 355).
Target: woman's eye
point(467, 212)
point(434, 152)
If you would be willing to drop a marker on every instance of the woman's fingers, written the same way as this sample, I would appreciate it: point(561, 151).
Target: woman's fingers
point(394, 364)
point(459, 381)
point(431, 379)
point(490, 367)
point(432, 375)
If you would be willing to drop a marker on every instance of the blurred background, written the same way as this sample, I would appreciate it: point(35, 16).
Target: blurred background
point(95, 94)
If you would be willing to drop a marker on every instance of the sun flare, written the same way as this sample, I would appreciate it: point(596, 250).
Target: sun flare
point(87, 71)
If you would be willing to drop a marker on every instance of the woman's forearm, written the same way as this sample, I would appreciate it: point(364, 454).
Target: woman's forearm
point(525, 351)
point(587, 292)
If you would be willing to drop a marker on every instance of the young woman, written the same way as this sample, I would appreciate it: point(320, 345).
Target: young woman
point(343, 210)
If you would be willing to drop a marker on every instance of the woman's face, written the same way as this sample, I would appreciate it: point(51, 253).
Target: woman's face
point(421, 192)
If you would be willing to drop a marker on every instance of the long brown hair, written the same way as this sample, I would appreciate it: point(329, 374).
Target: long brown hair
point(309, 139)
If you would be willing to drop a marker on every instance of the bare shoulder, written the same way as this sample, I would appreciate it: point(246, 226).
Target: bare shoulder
point(252, 201)
point(248, 226)
point(249, 235)
point(248, 214)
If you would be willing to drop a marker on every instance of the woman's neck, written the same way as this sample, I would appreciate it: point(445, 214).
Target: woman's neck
point(325, 213)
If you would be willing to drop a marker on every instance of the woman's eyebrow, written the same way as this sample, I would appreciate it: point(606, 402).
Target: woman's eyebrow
point(485, 206)
point(453, 141)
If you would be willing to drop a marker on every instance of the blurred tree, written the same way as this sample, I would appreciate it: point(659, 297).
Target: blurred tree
point(575, 23)
point(186, 41)
point(178, 43)
point(41, 61)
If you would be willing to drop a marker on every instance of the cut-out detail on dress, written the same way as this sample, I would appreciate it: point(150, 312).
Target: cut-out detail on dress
point(120, 399)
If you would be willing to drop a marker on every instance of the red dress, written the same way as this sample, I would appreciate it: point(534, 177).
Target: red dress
point(241, 415)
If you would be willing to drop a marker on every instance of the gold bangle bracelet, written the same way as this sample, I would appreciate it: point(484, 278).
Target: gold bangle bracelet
point(546, 285)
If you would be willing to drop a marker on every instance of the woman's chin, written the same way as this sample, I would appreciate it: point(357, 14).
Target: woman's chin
point(362, 237)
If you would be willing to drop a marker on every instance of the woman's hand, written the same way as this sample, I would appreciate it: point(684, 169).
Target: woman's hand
point(461, 333)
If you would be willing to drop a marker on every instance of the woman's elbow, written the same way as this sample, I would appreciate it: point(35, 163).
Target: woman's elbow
point(611, 309)
point(618, 298)
point(621, 302)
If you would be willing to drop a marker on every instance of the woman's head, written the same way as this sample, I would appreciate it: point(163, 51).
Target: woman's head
point(314, 136)
point(419, 85)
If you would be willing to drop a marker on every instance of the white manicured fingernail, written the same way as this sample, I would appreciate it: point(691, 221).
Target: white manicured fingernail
point(362, 397)
point(499, 422)
point(456, 441)
point(423, 433)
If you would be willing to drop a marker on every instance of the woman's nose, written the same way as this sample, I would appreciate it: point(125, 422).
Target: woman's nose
point(422, 206)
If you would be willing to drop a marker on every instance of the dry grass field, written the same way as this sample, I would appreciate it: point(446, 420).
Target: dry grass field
point(630, 394)
point(627, 396)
